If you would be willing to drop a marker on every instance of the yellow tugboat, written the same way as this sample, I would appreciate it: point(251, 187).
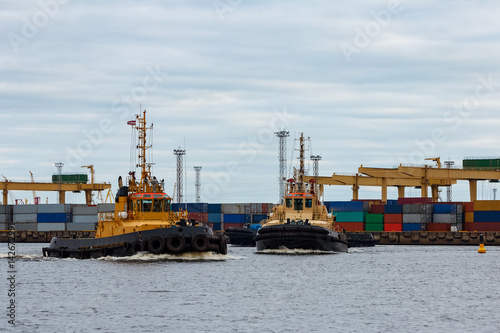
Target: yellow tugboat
point(302, 222)
point(143, 221)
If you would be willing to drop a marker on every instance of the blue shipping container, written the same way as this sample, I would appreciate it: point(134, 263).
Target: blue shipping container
point(215, 217)
point(257, 218)
point(53, 217)
point(217, 226)
point(445, 208)
point(411, 227)
point(345, 206)
point(214, 208)
point(234, 218)
point(486, 216)
point(393, 209)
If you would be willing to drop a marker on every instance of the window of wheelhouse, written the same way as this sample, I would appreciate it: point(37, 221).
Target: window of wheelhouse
point(166, 204)
point(309, 203)
point(298, 204)
point(158, 203)
point(288, 202)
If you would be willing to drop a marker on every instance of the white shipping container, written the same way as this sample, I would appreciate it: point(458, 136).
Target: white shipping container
point(85, 218)
point(25, 209)
point(444, 218)
point(232, 209)
point(85, 210)
point(24, 218)
point(54, 208)
point(417, 218)
point(51, 226)
point(80, 226)
point(105, 207)
point(5, 209)
point(25, 226)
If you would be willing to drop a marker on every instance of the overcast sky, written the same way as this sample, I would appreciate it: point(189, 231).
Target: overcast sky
point(377, 83)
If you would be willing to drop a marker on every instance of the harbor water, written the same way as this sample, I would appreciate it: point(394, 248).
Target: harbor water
point(379, 289)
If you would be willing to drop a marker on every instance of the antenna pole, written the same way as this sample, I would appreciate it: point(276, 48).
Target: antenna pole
point(282, 135)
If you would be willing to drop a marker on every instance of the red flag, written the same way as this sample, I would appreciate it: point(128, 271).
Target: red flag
point(131, 122)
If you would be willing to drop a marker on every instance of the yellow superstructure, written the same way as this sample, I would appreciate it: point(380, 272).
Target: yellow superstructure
point(142, 204)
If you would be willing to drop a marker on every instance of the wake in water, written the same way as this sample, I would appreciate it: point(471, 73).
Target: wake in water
point(284, 250)
point(22, 256)
point(188, 256)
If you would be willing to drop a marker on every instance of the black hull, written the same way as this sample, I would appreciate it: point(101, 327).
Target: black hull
point(300, 237)
point(360, 239)
point(241, 236)
point(174, 240)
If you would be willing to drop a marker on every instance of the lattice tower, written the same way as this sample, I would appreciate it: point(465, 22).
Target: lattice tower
point(180, 153)
point(282, 135)
point(197, 184)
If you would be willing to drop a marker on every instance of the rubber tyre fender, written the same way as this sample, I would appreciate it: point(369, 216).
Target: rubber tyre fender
point(156, 244)
point(175, 243)
point(199, 243)
point(223, 245)
point(137, 246)
point(126, 246)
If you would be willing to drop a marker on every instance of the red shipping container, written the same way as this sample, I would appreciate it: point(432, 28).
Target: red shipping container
point(393, 218)
point(199, 217)
point(482, 226)
point(234, 225)
point(393, 226)
point(468, 206)
point(403, 201)
point(438, 226)
point(265, 208)
point(351, 226)
point(377, 209)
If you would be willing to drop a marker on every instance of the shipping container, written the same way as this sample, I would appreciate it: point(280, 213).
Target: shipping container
point(393, 218)
point(51, 226)
point(487, 216)
point(444, 218)
point(345, 206)
point(214, 208)
point(256, 208)
point(198, 217)
point(468, 206)
point(53, 218)
point(349, 216)
point(403, 201)
point(438, 226)
point(393, 226)
point(80, 226)
point(233, 208)
point(412, 227)
point(374, 227)
point(374, 219)
point(24, 218)
point(393, 209)
point(445, 208)
point(481, 163)
point(105, 207)
point(70, 178)
point(350, 226)
point(265, 208)
point(84, 218)
point(469, 217)
point(417, 209)
point(377, 209)
point(482, 226)
point(85, 210)
point(487, 205)
point(6, 209)
point(25, 226)
point(234, 218)
point(6, 218)
point(24, 209)
point(258, 218)
point(53, 208)
point(217, 226)
point(417, 218)
point(232, 225)
point(215, 217)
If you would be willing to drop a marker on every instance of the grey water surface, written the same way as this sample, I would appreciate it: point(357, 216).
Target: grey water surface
point(379, 289)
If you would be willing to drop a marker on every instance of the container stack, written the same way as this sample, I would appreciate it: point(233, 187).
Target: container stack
point(445, 216)
point(393, 217)
point(215, 216)
point(5, 217)
point(486, 216)
point(416, 216)
point(24, 217)
point(84, 218)
point(235, 215)
point(349, 215)
point(52, 217)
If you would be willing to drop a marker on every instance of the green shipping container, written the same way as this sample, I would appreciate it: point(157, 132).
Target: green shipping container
point(71, 178)
point(482, 164)
point(374, 227)
point(349, 216)
point(374, 219)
